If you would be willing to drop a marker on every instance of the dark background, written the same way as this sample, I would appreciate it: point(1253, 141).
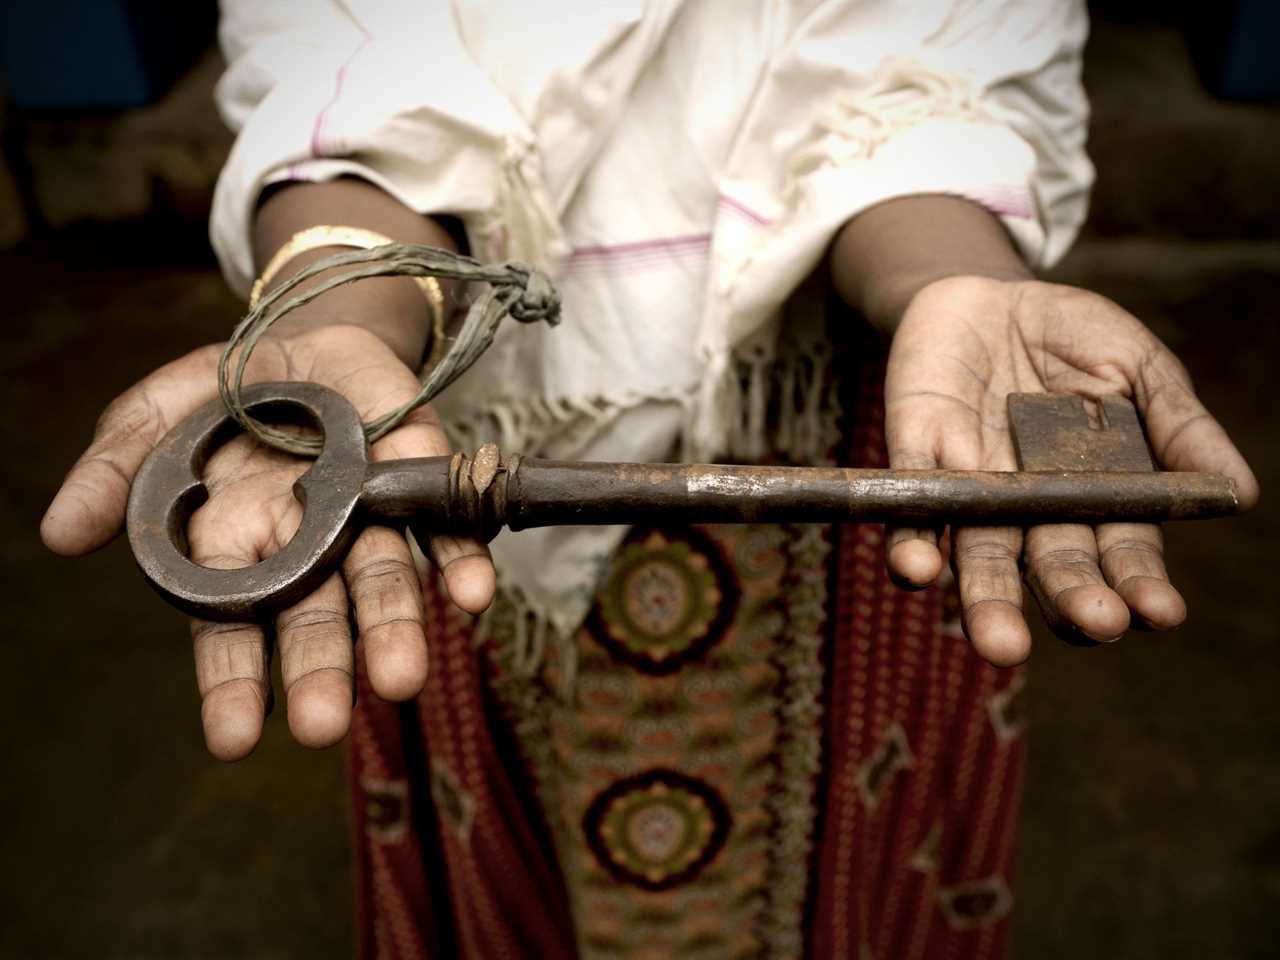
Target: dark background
point(1152, 823)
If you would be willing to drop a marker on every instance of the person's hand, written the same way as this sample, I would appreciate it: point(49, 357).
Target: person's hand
point(251, 513)
point(963, 345)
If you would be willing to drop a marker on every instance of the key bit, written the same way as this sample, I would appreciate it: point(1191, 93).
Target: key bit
point(1057, 432)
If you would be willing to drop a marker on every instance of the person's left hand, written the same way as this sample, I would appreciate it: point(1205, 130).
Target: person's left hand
point(966, 343)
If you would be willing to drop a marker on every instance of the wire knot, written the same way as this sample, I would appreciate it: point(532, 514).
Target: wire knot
point(539, 300)
point(515, 290)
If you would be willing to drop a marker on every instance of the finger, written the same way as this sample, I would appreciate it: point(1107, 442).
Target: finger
point(1183, 434)
point(465, 563)
point(1132, 560)
point(911, 553)
point(233, 676)
point(469, 578)
point(232, 665)
point(384, 589)
point(88, 509)
point(1063, 573)
point(986, 564)
point(912, 556)
point(317, 665)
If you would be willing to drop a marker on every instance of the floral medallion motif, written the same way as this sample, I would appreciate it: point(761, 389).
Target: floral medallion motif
point(656, 829)
point(668, 598)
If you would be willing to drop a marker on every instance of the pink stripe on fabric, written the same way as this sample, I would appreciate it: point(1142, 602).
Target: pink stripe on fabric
point(317, 131)
point(658, 247)
point(615, 267)
point(639, 255)
point(759, 219)
point(1005, 200)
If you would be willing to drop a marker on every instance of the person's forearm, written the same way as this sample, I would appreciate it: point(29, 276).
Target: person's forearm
point(886, 254)
point(392, 307)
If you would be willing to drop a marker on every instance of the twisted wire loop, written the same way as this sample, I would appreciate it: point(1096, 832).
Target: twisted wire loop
point(514, 289)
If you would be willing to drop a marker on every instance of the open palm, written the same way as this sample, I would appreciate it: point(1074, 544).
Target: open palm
point(965, 344)
point(251, 513)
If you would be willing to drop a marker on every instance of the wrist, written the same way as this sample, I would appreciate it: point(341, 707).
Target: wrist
point(887, 254)
point(889, 296)
point(393, 308)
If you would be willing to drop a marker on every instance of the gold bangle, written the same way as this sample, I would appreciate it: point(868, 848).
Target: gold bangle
point(313, 238)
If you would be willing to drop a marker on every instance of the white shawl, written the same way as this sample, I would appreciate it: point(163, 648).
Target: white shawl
point(679, 166)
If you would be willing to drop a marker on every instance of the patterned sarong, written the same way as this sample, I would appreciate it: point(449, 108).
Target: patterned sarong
point(755, 746)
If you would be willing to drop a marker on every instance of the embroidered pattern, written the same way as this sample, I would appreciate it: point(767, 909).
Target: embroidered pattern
point(656, 829)
point(893, 754)
point(386, 809)
point(980, 903)
point(895, 881)
point(667, 599)
point(1007, 710)
point(925, 859)
point(457, 808)
point(685, 871)
point(793, 805)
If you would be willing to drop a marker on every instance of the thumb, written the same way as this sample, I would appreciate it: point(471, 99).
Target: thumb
point(1183, 434)
point(88, 509)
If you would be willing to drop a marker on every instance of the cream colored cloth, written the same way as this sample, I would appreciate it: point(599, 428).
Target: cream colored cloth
point(679, 166)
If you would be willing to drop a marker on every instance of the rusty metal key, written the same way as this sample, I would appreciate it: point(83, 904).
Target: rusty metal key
point(1077, 465)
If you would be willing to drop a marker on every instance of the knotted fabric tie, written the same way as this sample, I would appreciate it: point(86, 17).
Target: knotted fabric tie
point(514, 289)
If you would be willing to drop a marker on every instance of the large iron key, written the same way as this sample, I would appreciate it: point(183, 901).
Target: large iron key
point(1068, 456)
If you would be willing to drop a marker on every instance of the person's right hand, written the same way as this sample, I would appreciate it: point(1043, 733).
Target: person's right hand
point(251, 513)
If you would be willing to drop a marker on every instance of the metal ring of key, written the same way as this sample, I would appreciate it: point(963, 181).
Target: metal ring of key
point(1074, 469)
